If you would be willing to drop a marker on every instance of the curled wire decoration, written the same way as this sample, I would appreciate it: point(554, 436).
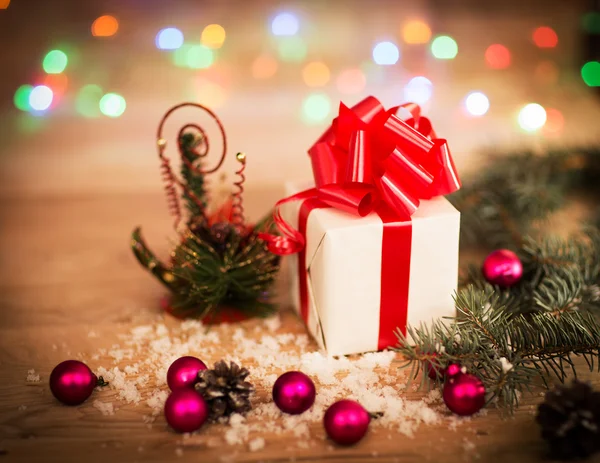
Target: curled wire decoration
point(170, 180)
point(237, 202)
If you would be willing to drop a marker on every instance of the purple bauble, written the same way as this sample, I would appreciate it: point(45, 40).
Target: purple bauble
point(294, 392)
point(464, 394)
point(183, 372)
point(502, 268)
point(346, 422)
point(185, 410)
point(72, 382)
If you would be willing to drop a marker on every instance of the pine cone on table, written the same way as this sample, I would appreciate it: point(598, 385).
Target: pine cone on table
point(570, 421)
point(225, 389)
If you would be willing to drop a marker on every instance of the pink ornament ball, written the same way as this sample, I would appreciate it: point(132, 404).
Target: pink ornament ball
point(464, 394)
point(346, 422)
point(294, 392)
point(72, 382)
point(183, 372)
point(502, 268)
point(186, 410)
point(452, 370)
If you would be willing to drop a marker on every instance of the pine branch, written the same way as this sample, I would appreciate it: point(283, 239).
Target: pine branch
point(194, 181)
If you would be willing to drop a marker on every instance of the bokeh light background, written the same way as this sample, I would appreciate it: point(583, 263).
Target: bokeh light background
point(84, 84)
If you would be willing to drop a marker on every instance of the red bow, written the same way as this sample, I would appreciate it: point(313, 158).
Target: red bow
point(370, 155)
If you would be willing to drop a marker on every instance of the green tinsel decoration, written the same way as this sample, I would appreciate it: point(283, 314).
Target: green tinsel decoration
point(214, 266)
point(517, 337)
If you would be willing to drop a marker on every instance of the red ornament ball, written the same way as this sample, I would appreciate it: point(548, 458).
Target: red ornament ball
point(452, 370)
point(294, 392)
point(502, 268)
point(464, 394)
point(346, 422)
point(186, 410)
point(433, 368)
point(72, 382)
point(183, 372)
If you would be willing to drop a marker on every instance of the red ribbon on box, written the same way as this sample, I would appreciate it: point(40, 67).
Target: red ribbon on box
point(371, 160)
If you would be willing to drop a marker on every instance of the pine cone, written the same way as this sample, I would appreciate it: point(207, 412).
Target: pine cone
point(570, 420)
point(225, 389)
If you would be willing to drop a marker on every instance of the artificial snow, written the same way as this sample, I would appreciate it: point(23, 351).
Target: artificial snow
point(136, 368)
point(32, 376)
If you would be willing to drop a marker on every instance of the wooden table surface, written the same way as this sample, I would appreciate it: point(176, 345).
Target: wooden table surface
point(67, 270)
point(72, 189)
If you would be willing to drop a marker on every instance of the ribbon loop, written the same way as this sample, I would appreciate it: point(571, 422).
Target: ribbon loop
point(368, 154)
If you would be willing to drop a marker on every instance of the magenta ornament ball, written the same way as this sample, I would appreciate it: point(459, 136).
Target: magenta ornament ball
point(464, 394)
point(502, 268)
point(294, 392)
point(346, 422)
point(183, 372)
point(72, 382)
point(452, 370)
point(186, 410)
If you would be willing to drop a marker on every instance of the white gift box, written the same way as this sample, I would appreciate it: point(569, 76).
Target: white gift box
point(343, 265)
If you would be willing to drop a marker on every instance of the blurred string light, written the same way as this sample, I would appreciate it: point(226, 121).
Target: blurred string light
point(264, 67)
point(590, 72)
point(88, 99)
point(316, 108)
point(199, 57)
point(477, 104)
point(418, 90)
point(444, 47)
point(55, 62)
point(210, 93)
point(112, 105)
point(21, 98)
point(170, 38)
point(351, 81)
point(416, 32)
point(591, 22)
point(292, 49)
point(213, 36)
point(40, 98)
point(285, 24)
point(105, 26)
point(546, 73)
point(532, 117)
point(386, 53)
point(57, 82)
point(316, 74)
point(545, 37)
point(4, 4)
point(497, 56)
point(555, 122)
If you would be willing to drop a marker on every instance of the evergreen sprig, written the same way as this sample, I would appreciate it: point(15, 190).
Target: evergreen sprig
point(517, 337)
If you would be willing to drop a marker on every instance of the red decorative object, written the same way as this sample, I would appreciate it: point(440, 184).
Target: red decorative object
point(346, 422)
point(433, 368)
point(370, 156)
point(186, 410)
point(464, 394)
point(72, 382)
point(294, 392)
point(503, 268)
point(183, 372)
point(452, 370)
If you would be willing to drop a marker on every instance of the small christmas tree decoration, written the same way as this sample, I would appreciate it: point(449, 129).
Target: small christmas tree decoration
point(464, 394)
point(72, 382)
point(219, 263)
point(346, 422)
point(186, 410)
point(570, 421)
point(225, 389)
point(294, 392)
point(452, 370)
point(502, 268)
point(183, 372)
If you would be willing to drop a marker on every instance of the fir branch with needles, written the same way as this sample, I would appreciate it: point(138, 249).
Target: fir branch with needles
point(518, 337)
